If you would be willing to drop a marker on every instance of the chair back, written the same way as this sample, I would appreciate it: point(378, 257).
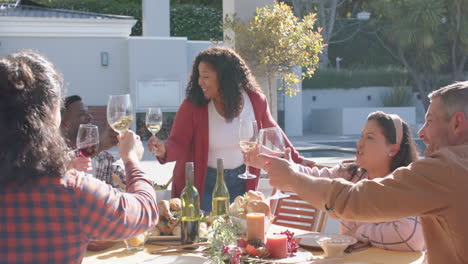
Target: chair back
point(294, 212)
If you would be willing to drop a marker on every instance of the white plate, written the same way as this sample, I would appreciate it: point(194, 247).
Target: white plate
point(178, 259)
point(311, 239)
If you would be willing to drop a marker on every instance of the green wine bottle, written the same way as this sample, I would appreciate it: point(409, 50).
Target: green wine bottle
point(190, 216)
point(220, 201)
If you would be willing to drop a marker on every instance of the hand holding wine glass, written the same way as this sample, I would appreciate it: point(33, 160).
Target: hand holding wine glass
point(130, 147)
point(248, 132)
point(271, 142)
point(154, 119)
point(87, 140)
point(119, 115)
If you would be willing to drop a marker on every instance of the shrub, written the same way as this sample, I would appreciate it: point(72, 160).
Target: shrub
point(355, 78)
point(197, 23)
point(398, 96)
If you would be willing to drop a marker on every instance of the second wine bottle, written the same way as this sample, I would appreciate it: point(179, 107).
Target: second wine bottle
point(220, 201)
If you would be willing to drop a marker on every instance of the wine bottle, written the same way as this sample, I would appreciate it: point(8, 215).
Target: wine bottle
point(190, 216)
point(220, 201)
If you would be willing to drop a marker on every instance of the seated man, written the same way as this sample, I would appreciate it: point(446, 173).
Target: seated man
point(76, 113)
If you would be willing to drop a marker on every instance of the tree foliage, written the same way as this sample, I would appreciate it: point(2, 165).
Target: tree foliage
point(275, 42)
point(425, 36)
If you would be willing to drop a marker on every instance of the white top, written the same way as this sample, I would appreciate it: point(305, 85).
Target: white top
point(224, 136)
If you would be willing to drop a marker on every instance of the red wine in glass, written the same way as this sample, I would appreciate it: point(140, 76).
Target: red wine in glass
point(88, 150)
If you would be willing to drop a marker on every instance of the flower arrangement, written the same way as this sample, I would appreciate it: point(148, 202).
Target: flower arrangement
point(227, 246)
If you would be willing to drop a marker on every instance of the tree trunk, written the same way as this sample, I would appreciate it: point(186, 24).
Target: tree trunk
point(268, 85)
point(324, 61)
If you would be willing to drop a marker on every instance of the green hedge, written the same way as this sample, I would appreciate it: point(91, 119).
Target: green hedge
point(355, 78)
point(197, 23)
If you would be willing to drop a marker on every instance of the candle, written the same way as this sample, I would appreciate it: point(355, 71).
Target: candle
point(256, 226)
point(277, 246)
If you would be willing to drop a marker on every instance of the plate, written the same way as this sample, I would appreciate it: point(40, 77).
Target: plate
point(311, 239)
point(163, 238)
point(177, 259)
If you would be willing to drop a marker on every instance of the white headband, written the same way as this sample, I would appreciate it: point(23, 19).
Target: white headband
point(398, 128)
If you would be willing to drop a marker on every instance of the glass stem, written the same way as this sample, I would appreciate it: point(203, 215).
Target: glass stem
point(247, 170)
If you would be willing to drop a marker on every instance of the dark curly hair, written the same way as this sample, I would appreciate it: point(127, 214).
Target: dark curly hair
point(233, 74)
point(407, 153)
point(30, 140)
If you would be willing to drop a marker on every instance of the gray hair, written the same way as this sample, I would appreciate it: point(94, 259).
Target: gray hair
point(454, 98)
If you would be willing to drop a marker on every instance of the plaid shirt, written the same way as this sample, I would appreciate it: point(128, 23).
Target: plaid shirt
point(103, 169)
point(52, 220)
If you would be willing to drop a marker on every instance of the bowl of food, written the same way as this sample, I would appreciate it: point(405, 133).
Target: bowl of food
point(334, 247)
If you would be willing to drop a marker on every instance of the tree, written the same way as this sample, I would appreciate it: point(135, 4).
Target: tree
point(275, 42)
point(327, 14)
point(428, 37)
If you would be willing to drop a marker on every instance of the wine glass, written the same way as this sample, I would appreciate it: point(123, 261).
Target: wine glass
point(119, 115)
point(154, 119)
point(87, 140)
point(271, 142)
point(248, 132)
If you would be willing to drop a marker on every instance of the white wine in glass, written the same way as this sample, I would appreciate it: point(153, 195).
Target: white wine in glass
point(154, 119)
point(271, 142)
point(248, 132)
point(120, 114)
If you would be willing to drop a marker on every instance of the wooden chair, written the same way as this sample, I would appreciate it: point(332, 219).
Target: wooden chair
point(294, 212)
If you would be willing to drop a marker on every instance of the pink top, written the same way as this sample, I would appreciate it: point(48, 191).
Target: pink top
point(402, 235)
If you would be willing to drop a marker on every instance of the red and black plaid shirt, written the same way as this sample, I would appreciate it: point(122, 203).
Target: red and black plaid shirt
point(53, 220)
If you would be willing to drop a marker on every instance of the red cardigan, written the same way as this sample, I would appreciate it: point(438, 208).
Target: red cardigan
point(189, 142)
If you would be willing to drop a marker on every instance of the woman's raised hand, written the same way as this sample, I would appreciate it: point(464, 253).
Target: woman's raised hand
point(130, 147)
point(157, 147)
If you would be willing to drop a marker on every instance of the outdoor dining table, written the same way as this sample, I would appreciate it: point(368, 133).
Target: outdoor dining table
point(118, 254)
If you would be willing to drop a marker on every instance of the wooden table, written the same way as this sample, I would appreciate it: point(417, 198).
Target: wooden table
point(117, 254)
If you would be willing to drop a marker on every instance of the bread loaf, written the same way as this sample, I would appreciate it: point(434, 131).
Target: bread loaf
point(259, 207)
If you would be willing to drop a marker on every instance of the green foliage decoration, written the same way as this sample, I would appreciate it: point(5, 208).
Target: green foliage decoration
point(275, 41)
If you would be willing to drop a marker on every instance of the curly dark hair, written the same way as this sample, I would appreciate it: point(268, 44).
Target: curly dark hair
point(407, 153)
point(30, 140)
point(233, 74)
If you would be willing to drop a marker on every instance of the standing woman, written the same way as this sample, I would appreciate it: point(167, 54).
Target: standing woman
point(221, 91)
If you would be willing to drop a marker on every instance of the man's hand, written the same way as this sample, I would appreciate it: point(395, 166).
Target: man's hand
point(82, 164)
point(130, 147)
point(280, 171)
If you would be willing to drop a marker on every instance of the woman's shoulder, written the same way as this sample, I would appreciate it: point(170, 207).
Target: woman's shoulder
point(256, 96)
point(187, 105)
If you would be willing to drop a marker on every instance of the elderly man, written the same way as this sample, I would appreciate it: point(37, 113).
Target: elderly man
point(434, 188)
